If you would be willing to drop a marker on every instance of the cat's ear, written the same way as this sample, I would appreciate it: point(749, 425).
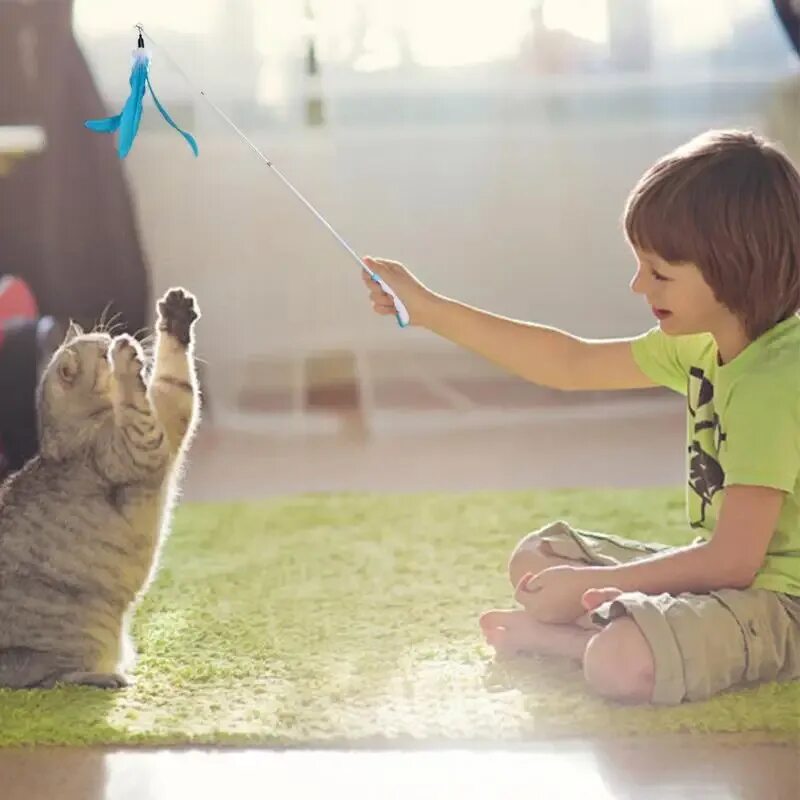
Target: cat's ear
point(68, 367)
point(73, 332)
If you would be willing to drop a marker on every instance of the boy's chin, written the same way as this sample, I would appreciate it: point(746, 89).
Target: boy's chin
point(667, 324)
point(677, 327)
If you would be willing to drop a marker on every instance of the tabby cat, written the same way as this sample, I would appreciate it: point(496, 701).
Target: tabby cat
point(82, 522)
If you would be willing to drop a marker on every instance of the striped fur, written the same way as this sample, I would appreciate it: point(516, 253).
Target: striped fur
point(81, 524)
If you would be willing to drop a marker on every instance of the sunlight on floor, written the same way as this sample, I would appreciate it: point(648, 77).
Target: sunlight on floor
point(452, 773)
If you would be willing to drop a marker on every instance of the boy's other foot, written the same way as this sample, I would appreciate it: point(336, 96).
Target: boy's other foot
point(517, 632)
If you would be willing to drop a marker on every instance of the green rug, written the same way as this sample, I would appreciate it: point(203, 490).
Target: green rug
point(351, 619)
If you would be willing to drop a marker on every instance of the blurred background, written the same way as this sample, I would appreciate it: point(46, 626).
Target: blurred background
point(490, 146)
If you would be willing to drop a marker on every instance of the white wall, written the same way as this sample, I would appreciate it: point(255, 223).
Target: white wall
point(523, 223)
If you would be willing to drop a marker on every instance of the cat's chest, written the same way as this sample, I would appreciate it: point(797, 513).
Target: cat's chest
point(141, 517)
point(138, 509)
point(133, 499)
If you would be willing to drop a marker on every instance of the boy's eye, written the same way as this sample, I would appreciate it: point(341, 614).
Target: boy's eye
point(659, 277)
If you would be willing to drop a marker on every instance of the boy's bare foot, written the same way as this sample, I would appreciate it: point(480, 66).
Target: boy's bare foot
point(511, 632)
point(515, 632)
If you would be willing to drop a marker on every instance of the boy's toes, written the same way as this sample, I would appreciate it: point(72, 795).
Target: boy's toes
point(497, 638)
point(593, 598)
point(492, 626)
point(502, 630)
point(490, 620)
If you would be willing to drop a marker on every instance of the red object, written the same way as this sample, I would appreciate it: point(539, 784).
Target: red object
point(16, 301)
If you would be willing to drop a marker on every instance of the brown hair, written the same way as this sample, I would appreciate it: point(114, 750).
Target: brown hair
point(728, 202)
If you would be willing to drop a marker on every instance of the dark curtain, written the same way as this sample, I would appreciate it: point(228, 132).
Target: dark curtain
point(789, 14)
point(66, 220)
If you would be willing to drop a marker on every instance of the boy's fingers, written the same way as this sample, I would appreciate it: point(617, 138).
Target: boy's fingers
point(528, 583)
point(379, 296)
point(593, 598)
point(523, 589)
point(365, 275)
point(371, 263)
point(382, 301)
point(377, 265)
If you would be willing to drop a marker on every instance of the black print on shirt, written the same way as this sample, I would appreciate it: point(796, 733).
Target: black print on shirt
point(706, 476)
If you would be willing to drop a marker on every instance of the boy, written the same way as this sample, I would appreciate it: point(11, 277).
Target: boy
point(715, 227)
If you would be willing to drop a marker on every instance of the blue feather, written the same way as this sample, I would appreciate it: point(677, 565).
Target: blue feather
point(107, 125)
point(127, 121)
point(188, 136)
point(132, 111)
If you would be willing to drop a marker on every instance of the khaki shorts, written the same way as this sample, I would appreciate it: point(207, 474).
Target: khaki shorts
point(701, 643)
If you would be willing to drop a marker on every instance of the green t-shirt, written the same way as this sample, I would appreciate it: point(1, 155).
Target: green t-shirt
point(743, 428)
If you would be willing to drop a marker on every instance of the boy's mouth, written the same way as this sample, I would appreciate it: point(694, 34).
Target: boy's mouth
point(661, 313)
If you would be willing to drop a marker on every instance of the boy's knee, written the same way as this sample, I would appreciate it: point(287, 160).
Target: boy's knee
point(533, 554)
point(530, 555)
point(618, 663)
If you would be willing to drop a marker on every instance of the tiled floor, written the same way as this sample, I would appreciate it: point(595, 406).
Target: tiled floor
point(640, 448)
point(679, 769)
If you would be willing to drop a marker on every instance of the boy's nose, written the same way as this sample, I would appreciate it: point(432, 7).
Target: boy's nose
point(637, 283)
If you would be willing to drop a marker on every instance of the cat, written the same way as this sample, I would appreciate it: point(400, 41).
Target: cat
point(82, 523)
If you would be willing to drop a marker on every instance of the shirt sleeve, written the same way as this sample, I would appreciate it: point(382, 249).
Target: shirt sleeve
point(658, 356)
point(762, 443)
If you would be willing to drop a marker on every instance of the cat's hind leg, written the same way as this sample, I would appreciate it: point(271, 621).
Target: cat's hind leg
point(22, 667)
point(25, 668)
point(99, 680)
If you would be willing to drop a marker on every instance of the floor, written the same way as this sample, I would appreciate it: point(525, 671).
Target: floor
point(664, 770)
point(636, 444)
point(641, 447)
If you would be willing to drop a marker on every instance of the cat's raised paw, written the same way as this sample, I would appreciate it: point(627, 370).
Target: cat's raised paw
point(127, 357)
point(177, 310)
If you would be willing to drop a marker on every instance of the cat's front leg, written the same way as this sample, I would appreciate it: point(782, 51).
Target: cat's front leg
point(173, 386)
point(139, 447)
point(127, 363)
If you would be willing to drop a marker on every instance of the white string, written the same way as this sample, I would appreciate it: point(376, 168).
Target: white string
point(247, 141)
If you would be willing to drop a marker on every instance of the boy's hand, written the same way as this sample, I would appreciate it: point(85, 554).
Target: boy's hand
point(416, 297)
point(556, 595)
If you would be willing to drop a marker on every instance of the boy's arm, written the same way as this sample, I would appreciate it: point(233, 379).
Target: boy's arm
point(538, 353)
point(729, 560)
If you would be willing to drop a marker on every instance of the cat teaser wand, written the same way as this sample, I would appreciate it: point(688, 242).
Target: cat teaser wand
point(128, 123)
